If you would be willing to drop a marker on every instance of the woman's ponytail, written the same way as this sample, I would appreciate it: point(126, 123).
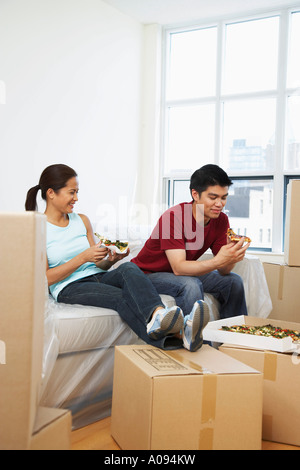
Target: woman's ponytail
point(30, 203)
point(55, 177)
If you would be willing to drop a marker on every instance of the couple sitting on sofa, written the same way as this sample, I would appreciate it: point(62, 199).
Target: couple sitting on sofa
point(78, 270)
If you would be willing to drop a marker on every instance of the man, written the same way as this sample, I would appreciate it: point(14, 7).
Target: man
point(182, 234)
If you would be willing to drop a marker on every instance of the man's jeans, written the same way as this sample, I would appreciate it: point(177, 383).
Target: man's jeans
point(228, 290)
point(125, 289)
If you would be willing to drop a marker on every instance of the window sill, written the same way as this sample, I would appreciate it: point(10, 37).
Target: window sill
point(269, 257)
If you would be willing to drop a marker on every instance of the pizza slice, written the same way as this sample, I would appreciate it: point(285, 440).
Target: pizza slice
point(233, 237)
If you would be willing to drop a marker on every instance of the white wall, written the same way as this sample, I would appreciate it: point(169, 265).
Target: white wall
point(149, 191)
point(72, 71)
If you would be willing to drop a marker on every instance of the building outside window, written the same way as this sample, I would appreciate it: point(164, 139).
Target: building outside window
point(232, 97)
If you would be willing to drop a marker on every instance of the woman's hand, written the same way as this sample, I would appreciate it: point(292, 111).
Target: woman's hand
point(114, 257)
point(95, 253)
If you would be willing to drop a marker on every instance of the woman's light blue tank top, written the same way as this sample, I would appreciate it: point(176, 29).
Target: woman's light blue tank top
point(63, 244)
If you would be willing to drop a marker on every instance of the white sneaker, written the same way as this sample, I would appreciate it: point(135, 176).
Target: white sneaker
point(194, 324)
point(166, 321)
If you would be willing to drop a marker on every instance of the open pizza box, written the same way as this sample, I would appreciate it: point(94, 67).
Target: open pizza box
point(213, 332)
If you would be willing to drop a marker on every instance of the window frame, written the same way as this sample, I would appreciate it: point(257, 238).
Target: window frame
point(281, 94)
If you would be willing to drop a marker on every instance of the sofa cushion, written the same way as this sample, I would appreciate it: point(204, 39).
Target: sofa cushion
point(82, 328)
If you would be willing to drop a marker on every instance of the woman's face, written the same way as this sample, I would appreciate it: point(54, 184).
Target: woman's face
point(65, 199)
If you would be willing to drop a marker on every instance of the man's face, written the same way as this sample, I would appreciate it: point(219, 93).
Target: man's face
point(213, 201)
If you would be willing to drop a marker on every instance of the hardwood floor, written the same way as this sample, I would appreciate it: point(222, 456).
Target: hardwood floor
point(276, 446)
point(97, 436)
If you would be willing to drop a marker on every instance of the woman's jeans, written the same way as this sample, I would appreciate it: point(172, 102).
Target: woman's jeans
point(228, 290)
point(125, 289)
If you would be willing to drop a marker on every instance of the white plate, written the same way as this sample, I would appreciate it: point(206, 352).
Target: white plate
point(115, 249)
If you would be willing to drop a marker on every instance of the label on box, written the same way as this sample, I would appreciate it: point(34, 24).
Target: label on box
point(159, 360)
point(170, 362)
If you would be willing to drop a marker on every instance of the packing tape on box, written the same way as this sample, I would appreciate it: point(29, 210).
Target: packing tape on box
point(192, 365)
point(208, 412)
point(209, 400)
point(270, 366)
point(206, 439)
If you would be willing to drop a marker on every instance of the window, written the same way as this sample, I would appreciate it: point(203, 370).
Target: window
point(251, 52)
point(232, 97)
point(190, 135)
point(249, 206)
point(193, 64)
point(248, 134)
point(293, 133)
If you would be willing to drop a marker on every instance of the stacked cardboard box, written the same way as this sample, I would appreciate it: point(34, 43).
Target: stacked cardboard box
point(278, 360)
point(279, 363)
point(283, 282)
point(292, 225)
point(284, 279)
point(186, 401)
point(22, 301)
point(52, 430)
point(281, 409)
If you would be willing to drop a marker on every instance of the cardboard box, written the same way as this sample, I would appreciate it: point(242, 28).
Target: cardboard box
point(283, 282)
point(292, 225)
point(183, 400)
point(22, 302)
point(52, 430)
point(281, 406)
point(212, 332)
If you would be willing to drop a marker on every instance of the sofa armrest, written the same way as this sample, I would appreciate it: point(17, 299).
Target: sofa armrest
point(257, 294)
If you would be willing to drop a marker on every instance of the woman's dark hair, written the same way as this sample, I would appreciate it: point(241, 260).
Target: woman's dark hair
point(209, 175)
point(54, 177)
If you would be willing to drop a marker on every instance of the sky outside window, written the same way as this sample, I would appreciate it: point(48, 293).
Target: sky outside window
point(251, 56)
point(193, 64)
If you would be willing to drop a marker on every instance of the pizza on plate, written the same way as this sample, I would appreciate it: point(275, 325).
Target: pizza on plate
point(265, 330)
point(121, 246)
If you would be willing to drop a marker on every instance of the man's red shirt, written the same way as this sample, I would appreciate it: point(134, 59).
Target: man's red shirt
point(178, 229)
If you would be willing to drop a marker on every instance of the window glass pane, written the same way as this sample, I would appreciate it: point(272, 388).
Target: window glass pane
point(193, 64)
point(251, 55)
point(294, 63)
point(249, 134)
point(250, 210)
point(182, 191)
point(190, 141)
point(293, 134)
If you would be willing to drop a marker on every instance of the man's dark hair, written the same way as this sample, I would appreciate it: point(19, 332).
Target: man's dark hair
point(209, 175)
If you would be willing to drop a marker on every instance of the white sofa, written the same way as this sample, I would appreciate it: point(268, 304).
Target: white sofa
point(80, 341)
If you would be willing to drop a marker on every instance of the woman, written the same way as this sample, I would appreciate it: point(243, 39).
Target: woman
point(77, 268)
